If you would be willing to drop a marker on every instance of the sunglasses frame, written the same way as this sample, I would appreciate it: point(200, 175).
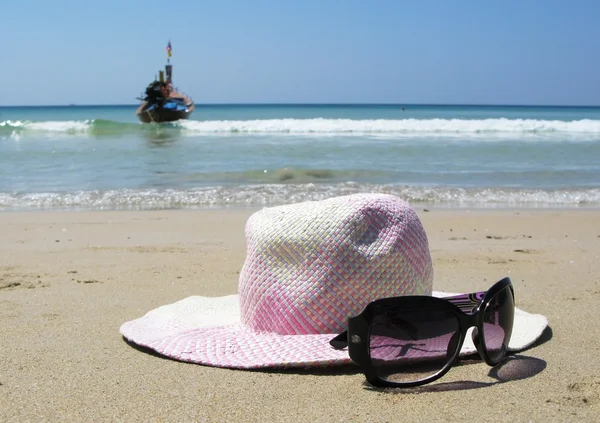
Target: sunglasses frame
point(468, 309)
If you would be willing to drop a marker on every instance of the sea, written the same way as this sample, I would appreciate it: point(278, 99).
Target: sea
point(247, 156)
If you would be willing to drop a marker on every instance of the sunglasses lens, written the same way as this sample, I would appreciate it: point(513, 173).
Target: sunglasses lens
point(412, 345)
point(498, 318)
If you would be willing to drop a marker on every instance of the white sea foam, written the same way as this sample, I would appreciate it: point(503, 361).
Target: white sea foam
point(275, 194)
point(67, 126)
point(585, 127)
point(345, 126)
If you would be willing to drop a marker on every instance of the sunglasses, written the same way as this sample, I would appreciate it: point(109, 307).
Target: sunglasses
point(413, 340)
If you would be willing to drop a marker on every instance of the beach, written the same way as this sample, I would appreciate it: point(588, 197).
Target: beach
point(69, 280)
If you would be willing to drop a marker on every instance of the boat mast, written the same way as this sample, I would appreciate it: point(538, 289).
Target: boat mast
point(168, 66)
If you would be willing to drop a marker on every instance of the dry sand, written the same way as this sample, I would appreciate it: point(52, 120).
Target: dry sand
point(69, 280)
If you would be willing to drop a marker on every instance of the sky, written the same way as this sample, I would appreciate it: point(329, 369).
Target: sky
point(543, 52)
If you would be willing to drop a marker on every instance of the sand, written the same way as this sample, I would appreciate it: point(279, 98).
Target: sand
point(68, 280)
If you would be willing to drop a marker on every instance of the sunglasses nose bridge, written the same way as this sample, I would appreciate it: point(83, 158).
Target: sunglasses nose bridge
point(468, 321)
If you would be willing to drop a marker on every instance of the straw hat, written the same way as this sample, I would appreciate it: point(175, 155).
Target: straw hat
point(309, 266)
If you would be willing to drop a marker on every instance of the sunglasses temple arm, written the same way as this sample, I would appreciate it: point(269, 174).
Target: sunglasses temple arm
point(467, 302)
point(340, 342)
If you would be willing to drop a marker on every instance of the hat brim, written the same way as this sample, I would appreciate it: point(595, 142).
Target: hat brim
point(207, 330)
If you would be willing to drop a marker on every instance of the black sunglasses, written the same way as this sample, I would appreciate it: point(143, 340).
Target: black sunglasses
point(413, 340)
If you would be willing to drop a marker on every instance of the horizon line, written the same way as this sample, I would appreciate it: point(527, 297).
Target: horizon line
point(311, 104)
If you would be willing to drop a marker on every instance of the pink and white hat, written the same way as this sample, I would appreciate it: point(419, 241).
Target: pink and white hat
point(309, 267)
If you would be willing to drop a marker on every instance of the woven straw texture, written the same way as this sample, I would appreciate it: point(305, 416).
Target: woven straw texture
point(311, 266)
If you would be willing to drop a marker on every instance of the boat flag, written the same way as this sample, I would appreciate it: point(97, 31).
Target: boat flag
point(169, 49)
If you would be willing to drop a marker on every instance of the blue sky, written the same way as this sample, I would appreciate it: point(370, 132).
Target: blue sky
point(304, 51)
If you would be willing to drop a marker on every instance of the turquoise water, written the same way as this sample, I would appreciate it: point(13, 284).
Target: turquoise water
point(100, 157)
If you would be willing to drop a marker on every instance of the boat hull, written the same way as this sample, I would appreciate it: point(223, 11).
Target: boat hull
point(159, 114)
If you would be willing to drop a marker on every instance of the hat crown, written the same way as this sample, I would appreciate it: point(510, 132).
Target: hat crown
point(311, 265)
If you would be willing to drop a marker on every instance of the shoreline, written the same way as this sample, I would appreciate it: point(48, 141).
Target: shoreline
point(68, 281)
point(322, 104)
point(419, 206)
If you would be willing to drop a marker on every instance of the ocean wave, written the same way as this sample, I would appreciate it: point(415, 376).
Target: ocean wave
point(385, 126)
point(276, 194)
point(99, 127)
point(92, 127)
